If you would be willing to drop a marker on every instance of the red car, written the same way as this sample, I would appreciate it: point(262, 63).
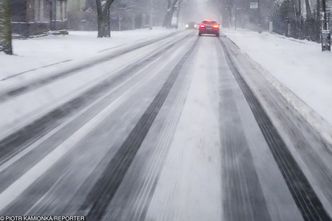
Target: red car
point(209, 27)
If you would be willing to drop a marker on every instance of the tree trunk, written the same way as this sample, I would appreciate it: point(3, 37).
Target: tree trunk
point(104, 26)
point(169, 14)
point(101, 27)
point(308, 9)
point(100, 19)
point(167, 20)
point(107, 30)
point(6, 38)
point(318, 10)
point(103, 13)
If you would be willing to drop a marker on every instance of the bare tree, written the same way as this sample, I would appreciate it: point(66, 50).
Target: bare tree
point(171, 6)
point(5, 27)
point(308, 9)
point(103, 17)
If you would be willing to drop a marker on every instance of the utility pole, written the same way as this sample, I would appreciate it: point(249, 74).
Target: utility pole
point(325, 23)
point(259, 14)
point(325, 32)
point(5, 25)
point(178, 13)
point(151, 14)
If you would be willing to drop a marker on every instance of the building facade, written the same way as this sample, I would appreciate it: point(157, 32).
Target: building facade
point(34, 17)
point(124, 14)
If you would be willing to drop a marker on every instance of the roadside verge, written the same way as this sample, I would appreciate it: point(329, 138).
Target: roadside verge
point(307, 113)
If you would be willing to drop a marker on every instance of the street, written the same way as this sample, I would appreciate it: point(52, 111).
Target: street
point(188, 129)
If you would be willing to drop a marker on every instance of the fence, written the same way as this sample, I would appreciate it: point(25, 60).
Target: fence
point(300, 29)
point(289, 20)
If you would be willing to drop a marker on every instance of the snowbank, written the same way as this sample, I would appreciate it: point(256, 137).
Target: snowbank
point(298, 64)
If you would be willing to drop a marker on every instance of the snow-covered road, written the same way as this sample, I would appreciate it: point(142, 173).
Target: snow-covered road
point(182, 129)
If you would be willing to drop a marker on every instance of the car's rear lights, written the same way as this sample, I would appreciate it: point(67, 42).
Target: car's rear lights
point(202, 26)
point(215, 26)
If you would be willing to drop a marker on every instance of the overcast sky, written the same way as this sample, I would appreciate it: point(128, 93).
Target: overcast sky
point(198, 10)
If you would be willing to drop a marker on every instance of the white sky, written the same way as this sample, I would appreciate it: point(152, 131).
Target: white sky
point(198, 10)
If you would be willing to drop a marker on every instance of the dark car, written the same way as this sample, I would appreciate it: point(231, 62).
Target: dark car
point(209, 27)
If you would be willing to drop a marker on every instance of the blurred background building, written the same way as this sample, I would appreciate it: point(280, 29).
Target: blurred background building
point(35, 17)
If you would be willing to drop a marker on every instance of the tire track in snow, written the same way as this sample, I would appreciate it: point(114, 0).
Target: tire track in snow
point(104, 190)
point(24, 137)
point(305, 197)
point(243, 196)
point(135, 193)
point(189, 187)
point(305, 140)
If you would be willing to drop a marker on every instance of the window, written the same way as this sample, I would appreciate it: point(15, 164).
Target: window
point(58, 11)
point(36, 5)
point(61, 8)
point(64, 7)
point(209, 22)
point(39, 11)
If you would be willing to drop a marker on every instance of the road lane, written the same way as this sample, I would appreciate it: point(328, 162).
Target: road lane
point(189, 186)
point(279, 202)
point(243, 194)
point(106, 187)
point(298, 148)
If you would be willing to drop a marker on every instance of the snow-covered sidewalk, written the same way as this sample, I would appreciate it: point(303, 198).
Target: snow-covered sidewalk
point(298, 64)
point(46, 52)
